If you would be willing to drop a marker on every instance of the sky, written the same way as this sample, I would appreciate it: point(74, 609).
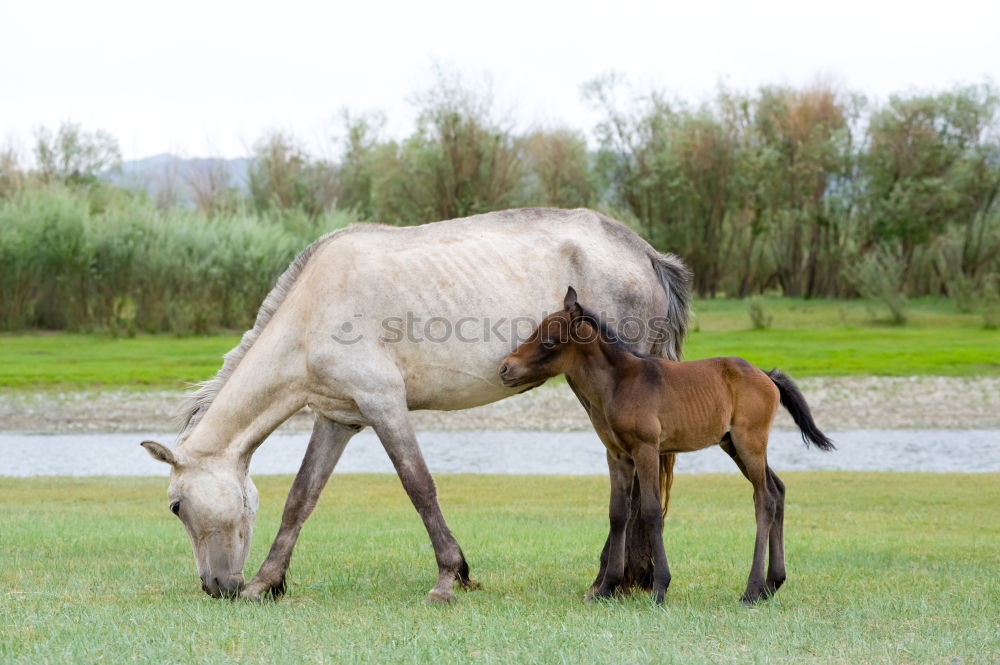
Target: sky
point(208, 78)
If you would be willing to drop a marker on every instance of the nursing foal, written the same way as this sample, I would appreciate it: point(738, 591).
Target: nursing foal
point(656, 406)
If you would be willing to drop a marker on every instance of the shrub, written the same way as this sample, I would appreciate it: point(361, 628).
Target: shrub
point(991, 305)
point(759, 317)
point(878, 276)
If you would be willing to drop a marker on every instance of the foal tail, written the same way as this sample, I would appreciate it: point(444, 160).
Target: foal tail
point(792, 399)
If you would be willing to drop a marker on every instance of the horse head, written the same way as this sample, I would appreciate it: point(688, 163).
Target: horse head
point(217, 504)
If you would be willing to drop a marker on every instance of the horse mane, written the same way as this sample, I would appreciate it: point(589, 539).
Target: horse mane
point(608, 336)
point(198, 401)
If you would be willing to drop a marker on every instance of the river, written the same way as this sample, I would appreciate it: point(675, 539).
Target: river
point(515, 452)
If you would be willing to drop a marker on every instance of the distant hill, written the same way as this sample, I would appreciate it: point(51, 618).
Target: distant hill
point(170, 179)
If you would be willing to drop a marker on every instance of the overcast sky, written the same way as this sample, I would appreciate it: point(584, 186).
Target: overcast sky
point(207, 78)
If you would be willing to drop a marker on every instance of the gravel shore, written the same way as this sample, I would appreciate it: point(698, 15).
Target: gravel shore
point(837, 402)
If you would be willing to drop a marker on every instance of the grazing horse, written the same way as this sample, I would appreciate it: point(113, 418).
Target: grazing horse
point(370, 322)
point(655, 406)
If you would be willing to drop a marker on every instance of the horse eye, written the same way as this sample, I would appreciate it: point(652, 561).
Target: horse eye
point(175, 507)
point(548, 344)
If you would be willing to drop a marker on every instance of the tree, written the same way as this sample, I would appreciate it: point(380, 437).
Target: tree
point(557, 169)
point(73, 156)
point(460, 161)
point(357, 162)
point(283, 176)
point(932, 163)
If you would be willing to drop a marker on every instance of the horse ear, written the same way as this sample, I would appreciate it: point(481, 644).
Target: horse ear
point(570, 304)
point(160, 452)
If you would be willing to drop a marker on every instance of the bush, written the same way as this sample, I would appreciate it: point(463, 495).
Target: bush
point(991, 305)
point(879, 277)
point(759, 317)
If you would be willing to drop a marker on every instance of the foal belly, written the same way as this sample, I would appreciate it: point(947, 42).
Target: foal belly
point(682, 440)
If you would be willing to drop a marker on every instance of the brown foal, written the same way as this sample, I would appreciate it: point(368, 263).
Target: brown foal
point(655, 406)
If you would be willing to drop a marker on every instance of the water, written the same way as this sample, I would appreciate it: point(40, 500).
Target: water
point(514, 452)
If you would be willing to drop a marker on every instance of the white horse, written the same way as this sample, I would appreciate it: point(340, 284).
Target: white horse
point(371, 322)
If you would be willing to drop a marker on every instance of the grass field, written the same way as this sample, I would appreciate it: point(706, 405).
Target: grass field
point(807, 338)
point(883, 568)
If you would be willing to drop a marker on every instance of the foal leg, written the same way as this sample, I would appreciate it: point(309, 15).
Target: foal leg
point(390, 420)
point(776, 535)
point(325, 447)
point(776, 542)
point(750, 448)
point(608, 440)
point(647, 469)
point(621, 470)
point(638, 556)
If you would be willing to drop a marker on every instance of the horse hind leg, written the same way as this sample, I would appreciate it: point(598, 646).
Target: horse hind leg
point(389, 417)
point(748, 449)
point(326, 445)
point(776, 541)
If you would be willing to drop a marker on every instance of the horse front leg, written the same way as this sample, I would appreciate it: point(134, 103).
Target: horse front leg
point(390, 420)
point(621, 470)
point(326, 445)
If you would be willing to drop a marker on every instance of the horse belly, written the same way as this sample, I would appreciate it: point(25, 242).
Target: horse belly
point(456, 306)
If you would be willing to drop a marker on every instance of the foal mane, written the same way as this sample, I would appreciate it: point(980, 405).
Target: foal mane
point(198, 401)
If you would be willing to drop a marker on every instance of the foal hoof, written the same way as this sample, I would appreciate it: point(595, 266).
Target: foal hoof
point(751, 599)
point(436, 597)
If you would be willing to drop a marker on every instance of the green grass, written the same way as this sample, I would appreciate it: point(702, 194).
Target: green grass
point(883, 568)
point(72, 361)
point(808, 338)
point(824, 337)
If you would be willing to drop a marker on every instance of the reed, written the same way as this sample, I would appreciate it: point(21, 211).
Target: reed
point(99, 258)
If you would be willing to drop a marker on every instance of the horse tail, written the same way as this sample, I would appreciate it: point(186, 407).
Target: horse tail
point(675, 278)
point(666, 479)
point(793, 400)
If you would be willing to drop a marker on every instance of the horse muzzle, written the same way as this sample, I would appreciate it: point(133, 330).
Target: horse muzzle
point(228, 587)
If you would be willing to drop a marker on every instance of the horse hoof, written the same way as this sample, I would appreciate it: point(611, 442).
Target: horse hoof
point(436, 597)
point(749, 599)
point(253, 594)
point(258, 591)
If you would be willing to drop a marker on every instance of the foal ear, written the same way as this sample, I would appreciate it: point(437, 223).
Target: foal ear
point(160, 452)
point(570, 304)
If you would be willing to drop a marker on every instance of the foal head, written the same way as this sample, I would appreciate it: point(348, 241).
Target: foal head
point(552, 348)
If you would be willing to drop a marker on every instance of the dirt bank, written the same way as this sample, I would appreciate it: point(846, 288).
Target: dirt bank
point(838, 403)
